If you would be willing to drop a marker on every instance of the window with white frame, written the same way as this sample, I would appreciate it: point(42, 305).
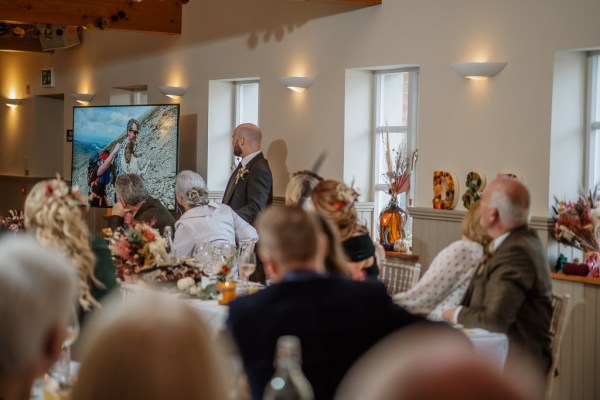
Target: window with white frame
point(593, 136)
point(396, 114)
point(246, 102)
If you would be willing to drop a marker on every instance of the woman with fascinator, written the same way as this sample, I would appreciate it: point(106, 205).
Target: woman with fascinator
point(335, 201)
point(53, 215)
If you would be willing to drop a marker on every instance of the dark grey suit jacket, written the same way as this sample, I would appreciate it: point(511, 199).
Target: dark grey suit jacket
point(336, 320)
point(252, 193)
point(512, 293)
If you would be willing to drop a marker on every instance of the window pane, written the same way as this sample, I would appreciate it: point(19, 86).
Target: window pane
point(248, 103)
point(393, 109)
point(596, 92)
point(395, 140)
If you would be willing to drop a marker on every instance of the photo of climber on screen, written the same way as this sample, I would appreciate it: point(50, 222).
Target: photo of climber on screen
point(109, 141)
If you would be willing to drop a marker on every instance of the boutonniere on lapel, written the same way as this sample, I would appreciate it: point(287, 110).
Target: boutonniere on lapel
point(241, 174)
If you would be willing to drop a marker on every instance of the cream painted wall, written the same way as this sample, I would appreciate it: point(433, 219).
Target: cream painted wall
point(503, 124)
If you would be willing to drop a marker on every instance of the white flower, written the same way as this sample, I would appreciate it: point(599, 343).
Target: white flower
point(185, 283)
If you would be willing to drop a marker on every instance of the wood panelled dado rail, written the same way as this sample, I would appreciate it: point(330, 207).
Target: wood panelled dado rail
point(147, 16)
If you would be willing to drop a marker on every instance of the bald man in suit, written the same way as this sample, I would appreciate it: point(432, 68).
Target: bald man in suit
point(250, 187)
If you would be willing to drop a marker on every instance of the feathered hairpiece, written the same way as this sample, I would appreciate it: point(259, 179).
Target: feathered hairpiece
point(345, 196)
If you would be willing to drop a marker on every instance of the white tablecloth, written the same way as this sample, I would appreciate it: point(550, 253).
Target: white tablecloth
point(493, 346)
point(211, 311)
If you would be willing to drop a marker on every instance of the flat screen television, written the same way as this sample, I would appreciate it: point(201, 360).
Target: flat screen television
point(149, 148)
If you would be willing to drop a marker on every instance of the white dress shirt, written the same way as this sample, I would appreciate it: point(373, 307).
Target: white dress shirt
point(249, 158)
point(213, 223)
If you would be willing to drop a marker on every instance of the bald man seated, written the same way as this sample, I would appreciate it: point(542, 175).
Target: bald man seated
point(512, 291)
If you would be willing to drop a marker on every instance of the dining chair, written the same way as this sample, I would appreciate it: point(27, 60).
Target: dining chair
point(379, 253)
point(560, 304)
point(398, 277)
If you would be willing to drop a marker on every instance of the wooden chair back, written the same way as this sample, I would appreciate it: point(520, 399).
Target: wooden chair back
point(560, 304)
point(398, 277)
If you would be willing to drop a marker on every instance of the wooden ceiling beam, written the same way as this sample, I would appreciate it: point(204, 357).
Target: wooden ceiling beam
point(356, 2)
point(156, 16)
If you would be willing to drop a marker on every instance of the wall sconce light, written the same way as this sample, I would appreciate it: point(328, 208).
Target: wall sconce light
point(479, 71)
point(297, 83)
point(12, 103)
point(173, 92)
point(83, 98)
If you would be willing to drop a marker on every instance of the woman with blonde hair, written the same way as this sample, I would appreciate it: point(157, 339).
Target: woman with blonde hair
point(300, 187)
point(444, 284)
point(151, 347)
point(53, 214)
point(335, 201)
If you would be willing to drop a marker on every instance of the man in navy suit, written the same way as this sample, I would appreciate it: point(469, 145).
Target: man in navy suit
point(336, 320)
point(250, 187)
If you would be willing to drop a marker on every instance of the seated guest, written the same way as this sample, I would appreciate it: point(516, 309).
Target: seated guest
point(298, 192)
point(205, 221)
point(53, 214)
point(446, 280)
point(151, 347)
point(300, 187)
point(37, 291)
point(335, 201)
point(336, 320)
point(512, 291)
point(133, 197)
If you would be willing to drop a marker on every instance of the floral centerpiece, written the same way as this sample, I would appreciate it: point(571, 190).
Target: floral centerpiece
point(140, 251)
point(577, 224)
point(14, 221)
point(397, 178)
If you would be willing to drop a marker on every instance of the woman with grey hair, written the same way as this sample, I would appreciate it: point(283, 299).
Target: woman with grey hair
point(205, 221)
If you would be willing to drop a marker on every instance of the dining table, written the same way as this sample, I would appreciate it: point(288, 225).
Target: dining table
point(492, 346)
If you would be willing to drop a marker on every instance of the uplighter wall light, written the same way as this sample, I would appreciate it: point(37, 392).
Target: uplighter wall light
point(479, 71)
point(83, 98)
point(174, 92)
point(12, 103)
point(297, 83)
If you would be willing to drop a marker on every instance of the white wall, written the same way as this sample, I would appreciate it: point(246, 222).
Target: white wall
point(503, 124)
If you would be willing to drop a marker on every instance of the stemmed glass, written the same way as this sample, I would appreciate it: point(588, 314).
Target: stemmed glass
point(246, 265)
point(72, 333)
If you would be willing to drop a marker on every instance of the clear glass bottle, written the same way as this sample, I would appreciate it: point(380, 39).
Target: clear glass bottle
point(168, 236)
point(288, 382)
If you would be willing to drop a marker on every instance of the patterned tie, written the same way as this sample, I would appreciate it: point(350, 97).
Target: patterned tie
point(231, 184)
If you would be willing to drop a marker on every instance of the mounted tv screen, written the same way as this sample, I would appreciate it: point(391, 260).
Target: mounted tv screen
point(147, 137)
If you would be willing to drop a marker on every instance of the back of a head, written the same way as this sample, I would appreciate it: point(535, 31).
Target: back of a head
point(251, 132)
point(288, 234)
point(152, 347)
point(131, 188)
point(471, 226)
point(335, 200)
point(512, 200)
point(52, 209)
point(401, 366)
point(300, 187)
point(53, 215)
point(191, 187)
point(37, 290)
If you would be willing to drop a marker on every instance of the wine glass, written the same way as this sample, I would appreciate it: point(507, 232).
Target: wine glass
point(246, 266)
point(72, 333)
